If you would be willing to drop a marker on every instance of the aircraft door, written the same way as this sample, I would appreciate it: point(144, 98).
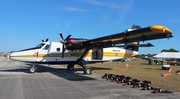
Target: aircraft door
point(97, 54)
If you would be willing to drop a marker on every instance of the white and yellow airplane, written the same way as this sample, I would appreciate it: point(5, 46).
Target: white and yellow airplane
point(81, 51)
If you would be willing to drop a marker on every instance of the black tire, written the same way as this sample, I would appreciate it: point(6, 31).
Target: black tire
point(70, 67)
point(129, 83)
point(160, 90)
point(122, 81)
point(116, 79)
point(88, 71)
point(32, 69)
point(149, 87)
point(107, 77)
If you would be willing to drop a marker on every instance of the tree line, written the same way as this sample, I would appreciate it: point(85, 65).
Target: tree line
point(164, 50)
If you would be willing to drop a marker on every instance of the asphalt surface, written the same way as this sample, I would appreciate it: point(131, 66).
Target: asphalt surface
point(55, 82)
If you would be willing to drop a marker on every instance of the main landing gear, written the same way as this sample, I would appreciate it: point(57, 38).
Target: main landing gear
point(81, 62)
point(87, 70)
point(70, 67)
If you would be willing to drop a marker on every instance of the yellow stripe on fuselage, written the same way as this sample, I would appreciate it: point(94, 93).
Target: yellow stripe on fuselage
point(105, 54)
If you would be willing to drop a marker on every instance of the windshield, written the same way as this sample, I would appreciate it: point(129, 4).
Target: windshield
point(37, 47)
point(40, 45)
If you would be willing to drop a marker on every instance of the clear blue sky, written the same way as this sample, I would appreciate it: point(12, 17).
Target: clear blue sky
point(24, 23)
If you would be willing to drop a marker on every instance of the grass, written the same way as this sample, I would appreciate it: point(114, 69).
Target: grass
point(139, 69)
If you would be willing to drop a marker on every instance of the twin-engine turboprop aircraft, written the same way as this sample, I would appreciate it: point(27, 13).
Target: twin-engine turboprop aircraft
point(81, 51)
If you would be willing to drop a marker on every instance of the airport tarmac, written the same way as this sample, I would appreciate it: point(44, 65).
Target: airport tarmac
point(55, 82)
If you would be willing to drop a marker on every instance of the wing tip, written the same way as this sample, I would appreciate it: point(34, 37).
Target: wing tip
point(161, 29)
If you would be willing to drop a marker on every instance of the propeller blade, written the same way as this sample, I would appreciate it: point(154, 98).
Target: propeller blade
point(61, 36)
point(64, 41)
point(67, 37)
point(47, 39)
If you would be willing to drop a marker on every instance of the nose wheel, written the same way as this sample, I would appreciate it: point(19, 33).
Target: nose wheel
point(32, 69)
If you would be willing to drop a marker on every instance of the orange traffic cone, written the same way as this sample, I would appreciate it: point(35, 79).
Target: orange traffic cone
point(170, 69)
point(127, 65)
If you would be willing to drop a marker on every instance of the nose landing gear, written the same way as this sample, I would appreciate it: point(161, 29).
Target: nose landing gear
point(32, 69)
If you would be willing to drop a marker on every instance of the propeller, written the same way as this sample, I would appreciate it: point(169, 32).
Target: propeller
point(64, 41)
point(46, 40)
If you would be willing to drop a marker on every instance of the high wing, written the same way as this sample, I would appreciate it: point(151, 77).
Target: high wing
point(135, 35)
point(148, 33)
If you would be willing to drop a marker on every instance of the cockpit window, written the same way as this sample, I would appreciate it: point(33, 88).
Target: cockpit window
point(40, 45)
point(46, 47)
point(37, 47)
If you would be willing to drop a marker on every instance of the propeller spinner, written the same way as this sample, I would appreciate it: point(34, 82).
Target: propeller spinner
point(64, 41)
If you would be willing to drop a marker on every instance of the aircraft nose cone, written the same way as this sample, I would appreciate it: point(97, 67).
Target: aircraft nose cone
point(12, 56)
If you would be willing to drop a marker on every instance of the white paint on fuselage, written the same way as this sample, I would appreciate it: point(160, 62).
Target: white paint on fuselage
point(48, 52)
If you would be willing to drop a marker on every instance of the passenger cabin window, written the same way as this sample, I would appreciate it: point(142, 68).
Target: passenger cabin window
point(46, 47)
point(58, 49)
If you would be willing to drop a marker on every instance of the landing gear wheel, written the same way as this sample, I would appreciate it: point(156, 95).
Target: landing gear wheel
point(149, 87)
point(129, 83)
point(32, 69)
point(70, 67)
point(87, 71)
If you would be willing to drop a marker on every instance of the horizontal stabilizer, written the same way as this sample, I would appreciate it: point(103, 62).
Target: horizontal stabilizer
point(146, 45)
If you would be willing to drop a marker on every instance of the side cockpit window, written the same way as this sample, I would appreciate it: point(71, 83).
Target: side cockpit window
point(46, 47)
